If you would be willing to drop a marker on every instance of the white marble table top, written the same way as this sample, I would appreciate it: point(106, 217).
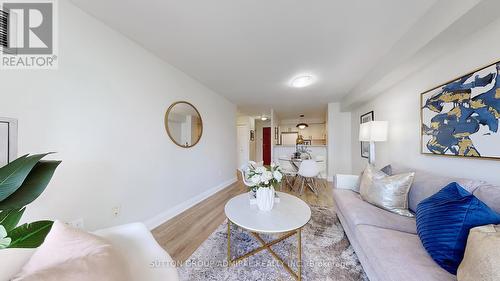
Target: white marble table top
point(289, 214)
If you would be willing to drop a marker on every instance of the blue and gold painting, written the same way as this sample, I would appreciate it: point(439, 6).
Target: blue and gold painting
point(460, 118)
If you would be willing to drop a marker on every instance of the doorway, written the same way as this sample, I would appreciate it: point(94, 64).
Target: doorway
point(243, 140)
point(266, 145)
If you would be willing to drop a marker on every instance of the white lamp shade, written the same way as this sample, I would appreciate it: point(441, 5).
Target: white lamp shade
point(364, 132)
point(373, 131)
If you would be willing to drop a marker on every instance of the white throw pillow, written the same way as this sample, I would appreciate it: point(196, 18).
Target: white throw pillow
point(68, 254)
point(13, 260)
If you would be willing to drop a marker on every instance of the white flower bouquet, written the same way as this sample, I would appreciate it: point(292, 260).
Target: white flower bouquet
point(264, 177)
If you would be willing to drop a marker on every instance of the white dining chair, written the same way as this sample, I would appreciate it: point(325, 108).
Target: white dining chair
point(289, 172)
point(243, 170)
point(309, 171)
point(321, 159)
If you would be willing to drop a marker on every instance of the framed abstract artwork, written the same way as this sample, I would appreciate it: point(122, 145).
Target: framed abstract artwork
point(460, 118)
point(365, 146)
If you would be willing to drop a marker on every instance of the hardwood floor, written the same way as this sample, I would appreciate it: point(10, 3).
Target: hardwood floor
point(183, 234)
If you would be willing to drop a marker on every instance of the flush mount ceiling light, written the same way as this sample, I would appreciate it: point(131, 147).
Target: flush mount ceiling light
point(263, 118)
point(302, 125)
point(302, 81)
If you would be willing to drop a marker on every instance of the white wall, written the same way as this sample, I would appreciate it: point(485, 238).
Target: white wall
point(103, 111)
point(400, 106)
point(339, 141)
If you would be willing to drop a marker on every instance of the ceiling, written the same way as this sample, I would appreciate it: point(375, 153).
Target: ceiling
point(249, 51)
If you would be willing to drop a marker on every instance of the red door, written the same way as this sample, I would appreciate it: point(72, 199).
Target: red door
point(266, 145)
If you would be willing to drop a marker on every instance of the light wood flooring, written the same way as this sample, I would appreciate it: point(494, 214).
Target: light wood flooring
point(183, 234)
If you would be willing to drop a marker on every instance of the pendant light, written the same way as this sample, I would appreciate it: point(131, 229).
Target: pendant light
point(301, 124)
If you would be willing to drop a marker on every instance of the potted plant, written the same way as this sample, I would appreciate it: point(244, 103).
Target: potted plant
point(21, 182)
point(264, 180)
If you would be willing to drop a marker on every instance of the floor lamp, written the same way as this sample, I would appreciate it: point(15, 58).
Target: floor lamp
point(373, 131)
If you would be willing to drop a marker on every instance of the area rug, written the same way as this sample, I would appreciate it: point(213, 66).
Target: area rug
point(327, 254)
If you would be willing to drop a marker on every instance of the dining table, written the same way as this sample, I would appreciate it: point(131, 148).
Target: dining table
point(295, 162)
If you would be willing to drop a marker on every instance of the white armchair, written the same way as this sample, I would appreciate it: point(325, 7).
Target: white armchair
point(146, 259)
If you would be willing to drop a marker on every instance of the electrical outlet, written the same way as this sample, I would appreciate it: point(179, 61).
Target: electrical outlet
point(116, 211)
point(78, 223)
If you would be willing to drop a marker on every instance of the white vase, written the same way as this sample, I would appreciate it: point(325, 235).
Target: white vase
point(265, 198)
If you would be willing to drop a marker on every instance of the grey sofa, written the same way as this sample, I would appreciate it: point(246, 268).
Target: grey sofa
point(387, 244)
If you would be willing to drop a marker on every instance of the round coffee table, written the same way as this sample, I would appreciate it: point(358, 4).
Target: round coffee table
point(288, 217)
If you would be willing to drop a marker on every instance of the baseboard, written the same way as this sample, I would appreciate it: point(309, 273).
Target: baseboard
point(176, 210)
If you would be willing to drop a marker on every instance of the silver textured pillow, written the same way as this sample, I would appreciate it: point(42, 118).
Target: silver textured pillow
point(367, 177)
point(481, 255)
point(387, 192)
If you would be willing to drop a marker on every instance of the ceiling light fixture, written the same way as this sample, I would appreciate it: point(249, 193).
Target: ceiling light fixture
point(302, 125)
point(302, 81)
point(263, 118)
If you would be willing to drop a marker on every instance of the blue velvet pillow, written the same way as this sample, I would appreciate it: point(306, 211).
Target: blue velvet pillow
point(444, 221)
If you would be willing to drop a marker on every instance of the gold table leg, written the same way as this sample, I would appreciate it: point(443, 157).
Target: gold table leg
point(228, 243)
point(299, 251)
point(267, 246)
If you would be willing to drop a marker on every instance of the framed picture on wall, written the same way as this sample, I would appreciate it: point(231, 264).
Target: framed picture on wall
point(461, 117)
point(365, 146)
point(8, 140)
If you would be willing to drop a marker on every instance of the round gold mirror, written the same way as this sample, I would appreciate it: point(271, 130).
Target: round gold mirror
point(183, 124)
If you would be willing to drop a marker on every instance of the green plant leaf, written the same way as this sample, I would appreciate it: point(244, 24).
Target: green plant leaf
point(34, 184)
point(13, 174)
point(10, 218)
point(29, 235)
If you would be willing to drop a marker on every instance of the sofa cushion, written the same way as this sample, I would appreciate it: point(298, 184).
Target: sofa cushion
point(358, 212)
point(397, 256)
point(426, 184)
point(490, 195)
point(444, 221)
point(481, 255)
